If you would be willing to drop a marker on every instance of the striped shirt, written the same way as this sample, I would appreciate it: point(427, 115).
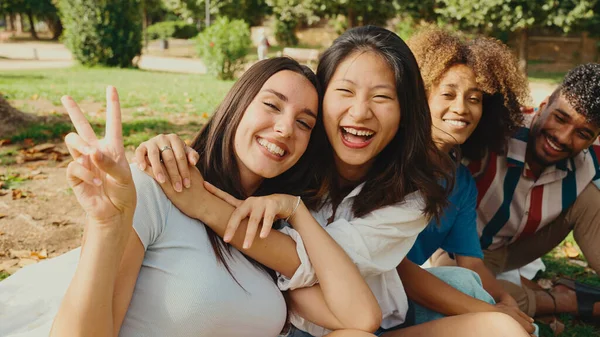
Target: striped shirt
point(512, 203)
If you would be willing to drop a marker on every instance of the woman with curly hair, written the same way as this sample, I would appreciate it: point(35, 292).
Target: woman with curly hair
point(475, 92)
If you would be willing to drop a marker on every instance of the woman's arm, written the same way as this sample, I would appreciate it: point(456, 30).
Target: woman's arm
point(347, 296)
point(101, 180)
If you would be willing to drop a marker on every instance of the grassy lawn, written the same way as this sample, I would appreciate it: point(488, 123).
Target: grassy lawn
point(162, 92)
point(152, 102)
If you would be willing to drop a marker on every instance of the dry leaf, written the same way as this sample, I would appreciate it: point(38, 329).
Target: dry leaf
point(28, 142)
point(578, 263)
point(35, 97)
point(64, 163)
point(188, 99)
point(3, 193)
point(40, 177)
point(20, 194)
point(41, 255)
point(4, 142)
point(19, 253)
point(2, 215)
point(42, 147)
point(205, 115)
point(570, 251)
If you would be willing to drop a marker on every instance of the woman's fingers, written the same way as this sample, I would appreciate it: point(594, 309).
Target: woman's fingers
point(77, 146)
point(114, 129)
point(192, 155)
point(156, 165)
point(228, 198)
point(140, 156)
point(179, 152)
point(236, 218)
point(256, 214)
point(268, 219)
point(170, 163)
point(77, 174)
point(83, 127)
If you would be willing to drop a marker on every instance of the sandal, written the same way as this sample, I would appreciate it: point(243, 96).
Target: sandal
point(587, 295)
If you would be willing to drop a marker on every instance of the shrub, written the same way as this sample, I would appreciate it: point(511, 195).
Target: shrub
point(285, 32)
point(223, 46)
point(102, 32)
point(174, 29)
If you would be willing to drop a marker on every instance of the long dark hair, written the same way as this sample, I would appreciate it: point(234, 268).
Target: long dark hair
point(411, 161)
point(215, 142)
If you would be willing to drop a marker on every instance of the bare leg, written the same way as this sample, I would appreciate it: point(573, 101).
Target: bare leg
point(488, 324)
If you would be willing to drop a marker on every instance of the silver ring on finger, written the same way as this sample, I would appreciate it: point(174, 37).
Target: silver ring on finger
point(165, 148)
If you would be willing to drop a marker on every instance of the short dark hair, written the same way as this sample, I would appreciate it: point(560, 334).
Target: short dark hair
point(411, 161)
point(581, 88)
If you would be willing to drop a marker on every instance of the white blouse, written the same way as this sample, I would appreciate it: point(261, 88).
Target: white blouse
point(376, 242)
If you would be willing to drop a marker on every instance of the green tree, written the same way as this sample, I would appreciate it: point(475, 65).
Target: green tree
point(103, 32)
point(223, 47)
point(34, 10)
point(518, 16)
point(251, 11)
point(360, 12)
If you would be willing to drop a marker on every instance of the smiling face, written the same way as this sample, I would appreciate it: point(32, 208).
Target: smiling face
point(275, 129)
point(558, 132)
point(456, 107)
point(361, 112)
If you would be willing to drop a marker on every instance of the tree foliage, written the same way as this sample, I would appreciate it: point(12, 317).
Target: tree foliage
point(223, 47)
point(514, 15)
point(43, 10)
point(251, 11)
point(103, 32)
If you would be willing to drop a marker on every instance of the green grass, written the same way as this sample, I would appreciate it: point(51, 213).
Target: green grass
point(3, 275)
point(161, 92)
point(560, 266)
point(134, 132)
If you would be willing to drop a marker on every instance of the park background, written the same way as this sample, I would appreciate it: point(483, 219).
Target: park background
point(174, 60)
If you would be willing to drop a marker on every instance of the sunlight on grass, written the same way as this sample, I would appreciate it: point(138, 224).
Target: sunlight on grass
point(162, 92)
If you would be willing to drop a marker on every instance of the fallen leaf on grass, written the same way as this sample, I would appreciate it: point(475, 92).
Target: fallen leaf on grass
point(41, 255)
point(578, 263)
point(42, 148)
point(28, 142)
point(20, 194)
point(4, 142)
point(570, 251)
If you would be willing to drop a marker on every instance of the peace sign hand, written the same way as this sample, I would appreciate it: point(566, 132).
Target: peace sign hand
point(99, 175)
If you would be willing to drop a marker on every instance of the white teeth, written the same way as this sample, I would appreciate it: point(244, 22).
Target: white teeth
point(455, 122)
point(363, 133)
point(552, 145)
point(274, 149)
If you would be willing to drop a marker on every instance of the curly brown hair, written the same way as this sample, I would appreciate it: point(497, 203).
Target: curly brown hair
point(505, 88)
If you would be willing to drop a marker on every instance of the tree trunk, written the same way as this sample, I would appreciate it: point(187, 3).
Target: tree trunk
point(18, 23)
point(523, 43)
point(12, 119)
point(55, 26)
point(10, 22)
point(351, 18)
point(32, 26)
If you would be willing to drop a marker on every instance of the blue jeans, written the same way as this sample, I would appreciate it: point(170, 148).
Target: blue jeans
point(465, 280)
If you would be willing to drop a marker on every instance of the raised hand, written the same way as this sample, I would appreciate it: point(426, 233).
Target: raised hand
point(266, 208)
point(99, 175)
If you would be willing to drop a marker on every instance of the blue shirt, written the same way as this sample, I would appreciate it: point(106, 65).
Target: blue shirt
point(456, 233)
